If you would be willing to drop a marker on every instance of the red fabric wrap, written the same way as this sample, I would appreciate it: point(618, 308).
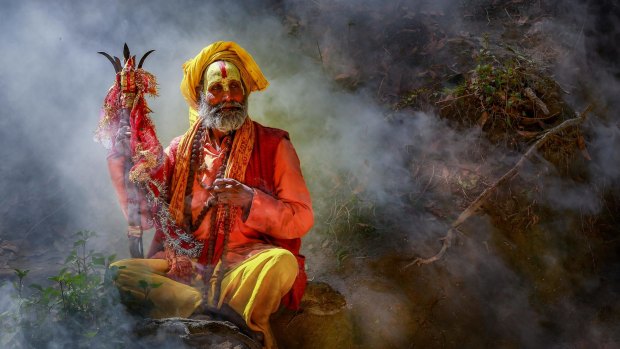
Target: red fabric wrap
point(145, 152)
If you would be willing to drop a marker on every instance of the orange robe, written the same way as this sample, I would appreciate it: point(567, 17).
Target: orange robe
point(282, 213)
point(285, 215)
point(281, 209)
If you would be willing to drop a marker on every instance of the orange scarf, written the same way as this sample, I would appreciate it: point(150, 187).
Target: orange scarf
point(235, 169)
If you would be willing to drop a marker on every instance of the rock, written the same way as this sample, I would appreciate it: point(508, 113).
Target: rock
point(321, 299)
point(193, 334)
point(8, 246)
point(8, 253)
point(322, 322)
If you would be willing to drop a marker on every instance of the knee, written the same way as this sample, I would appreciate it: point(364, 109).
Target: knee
point(119, 267)
point(121, 264)
point(285, 256)
point(285, 262)
point(121, 272)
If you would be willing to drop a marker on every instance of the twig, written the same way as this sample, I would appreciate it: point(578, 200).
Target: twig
point(58, 208)
point(320, 54)
point(446, 243)
point(430, 180)
point(380, 86)
point(482, 198)
point(454, 99)
point(579, 36)
point(539, 103)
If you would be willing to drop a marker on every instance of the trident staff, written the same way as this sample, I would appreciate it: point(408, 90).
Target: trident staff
point(129, 89)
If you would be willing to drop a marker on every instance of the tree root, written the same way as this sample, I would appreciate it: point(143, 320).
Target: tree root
point(483, 197)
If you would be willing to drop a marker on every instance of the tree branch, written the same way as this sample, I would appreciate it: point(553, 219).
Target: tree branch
point(482, 198)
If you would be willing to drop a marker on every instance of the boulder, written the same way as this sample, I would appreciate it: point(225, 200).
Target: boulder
point(323, 321)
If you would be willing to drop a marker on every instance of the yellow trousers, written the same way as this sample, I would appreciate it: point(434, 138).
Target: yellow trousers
point(253, 289)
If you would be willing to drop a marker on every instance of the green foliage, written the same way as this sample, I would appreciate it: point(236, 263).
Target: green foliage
point(507, 95)
point(141, 306)
point(415, 98)
point(21, 274)
point(77, 306)
point(497, 82)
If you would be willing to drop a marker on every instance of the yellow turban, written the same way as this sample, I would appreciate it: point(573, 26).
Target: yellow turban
point(193, 70)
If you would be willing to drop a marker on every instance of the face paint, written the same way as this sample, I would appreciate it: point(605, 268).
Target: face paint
point(223, 73)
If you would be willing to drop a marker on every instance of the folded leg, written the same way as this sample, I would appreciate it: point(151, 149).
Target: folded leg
point(170, 299)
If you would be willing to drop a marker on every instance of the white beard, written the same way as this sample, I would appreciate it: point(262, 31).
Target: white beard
point(224, 120)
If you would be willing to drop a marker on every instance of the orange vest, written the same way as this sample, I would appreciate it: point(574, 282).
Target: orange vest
point(260, 175)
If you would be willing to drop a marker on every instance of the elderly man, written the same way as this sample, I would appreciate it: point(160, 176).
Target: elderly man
point(236, 199)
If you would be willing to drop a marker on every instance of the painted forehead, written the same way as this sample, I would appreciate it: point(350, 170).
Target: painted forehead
point(222, 72)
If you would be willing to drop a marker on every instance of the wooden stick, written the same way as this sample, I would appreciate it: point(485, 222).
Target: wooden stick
point(320, 54)
point(539, 103)
point(482, 198)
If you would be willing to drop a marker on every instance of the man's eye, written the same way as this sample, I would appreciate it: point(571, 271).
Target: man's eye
point(235, 86)
point(216, 88)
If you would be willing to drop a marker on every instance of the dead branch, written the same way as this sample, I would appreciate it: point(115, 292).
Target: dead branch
point(539, 103)
point(454, 99)
point(320, 54)
point(482, 198)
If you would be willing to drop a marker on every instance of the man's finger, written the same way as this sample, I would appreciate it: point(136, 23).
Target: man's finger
point(220, 186)
point(221, 189)
point(229, 181)
point(224, 184)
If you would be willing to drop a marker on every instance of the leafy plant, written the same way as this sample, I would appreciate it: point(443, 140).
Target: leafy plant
point(140, 305)
point(19, 284)
point(79, 307)
point(507, 95)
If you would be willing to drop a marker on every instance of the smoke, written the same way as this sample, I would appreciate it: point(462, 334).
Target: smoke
point(380, 50)
point(55, 179)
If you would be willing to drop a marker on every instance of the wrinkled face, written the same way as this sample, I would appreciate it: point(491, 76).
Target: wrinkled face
point(223, 104)
point(222, 83)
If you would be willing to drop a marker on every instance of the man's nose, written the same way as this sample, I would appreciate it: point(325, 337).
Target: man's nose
point(226, 96)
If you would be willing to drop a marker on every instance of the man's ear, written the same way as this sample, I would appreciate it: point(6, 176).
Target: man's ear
point(199, 90)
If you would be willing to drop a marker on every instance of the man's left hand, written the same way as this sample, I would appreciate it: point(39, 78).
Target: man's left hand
point(232, 192)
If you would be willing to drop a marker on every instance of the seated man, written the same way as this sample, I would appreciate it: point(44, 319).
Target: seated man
point(237, 200)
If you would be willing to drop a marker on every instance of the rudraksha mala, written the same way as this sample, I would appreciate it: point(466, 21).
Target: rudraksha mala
point(195, 162)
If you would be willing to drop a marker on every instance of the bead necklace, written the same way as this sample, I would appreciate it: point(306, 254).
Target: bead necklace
point(197, 155)
point(195, 163)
